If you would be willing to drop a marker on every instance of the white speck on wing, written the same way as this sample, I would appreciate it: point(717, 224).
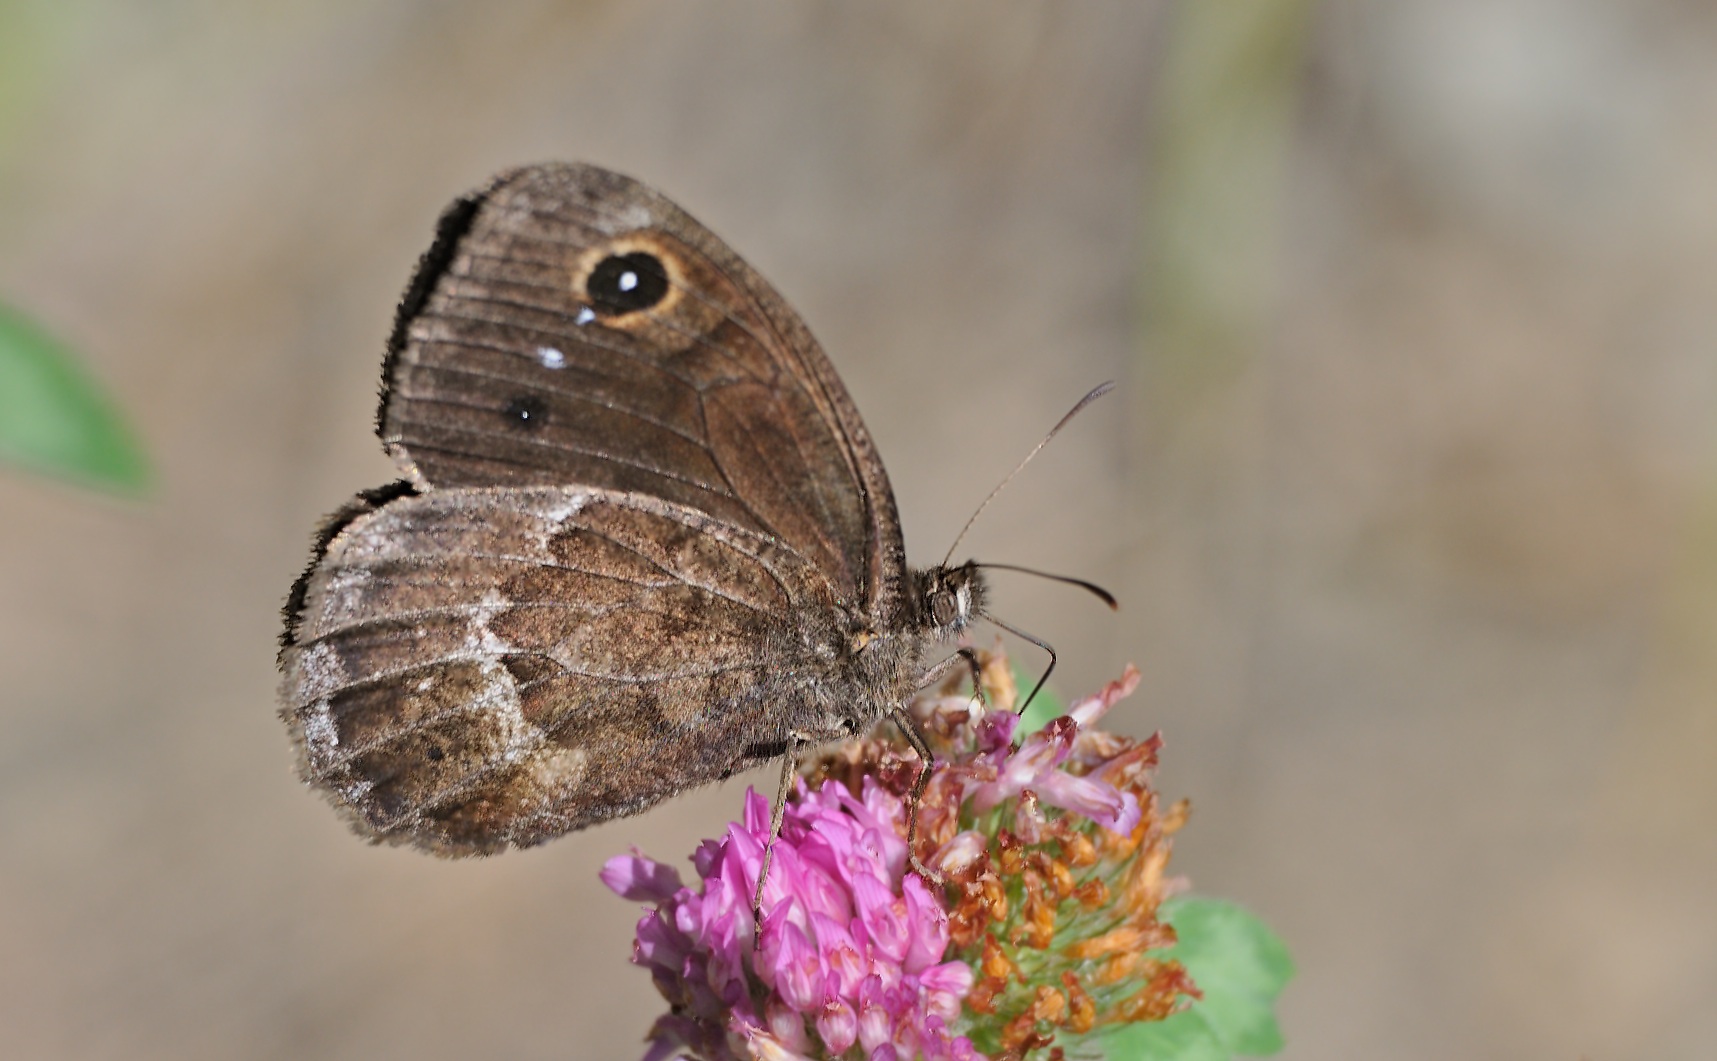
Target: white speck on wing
point(550, 357)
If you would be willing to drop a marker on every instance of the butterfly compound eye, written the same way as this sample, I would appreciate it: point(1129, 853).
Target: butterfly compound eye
point(626, 283)
point(944, 609)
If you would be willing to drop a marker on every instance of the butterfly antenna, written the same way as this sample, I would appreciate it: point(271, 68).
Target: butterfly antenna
point(1096, 392)
point(1090, 587)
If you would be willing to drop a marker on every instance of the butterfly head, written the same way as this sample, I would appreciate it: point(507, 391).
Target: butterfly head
point(952, 597)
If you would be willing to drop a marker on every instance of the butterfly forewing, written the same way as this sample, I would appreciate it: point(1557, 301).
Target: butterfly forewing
point(574, 327)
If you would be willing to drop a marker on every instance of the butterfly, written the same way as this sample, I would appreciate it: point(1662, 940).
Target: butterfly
point(642, 539)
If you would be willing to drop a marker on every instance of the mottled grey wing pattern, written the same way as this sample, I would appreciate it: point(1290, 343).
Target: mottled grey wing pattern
point(573, 326)
point(474, 667)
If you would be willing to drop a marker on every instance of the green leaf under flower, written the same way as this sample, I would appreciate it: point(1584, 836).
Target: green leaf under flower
point(1241, 967)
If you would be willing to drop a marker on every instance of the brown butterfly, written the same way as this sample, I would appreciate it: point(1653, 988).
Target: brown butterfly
point(643, 540)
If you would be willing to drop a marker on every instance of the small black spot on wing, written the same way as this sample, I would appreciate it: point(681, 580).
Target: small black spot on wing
point(526, 411)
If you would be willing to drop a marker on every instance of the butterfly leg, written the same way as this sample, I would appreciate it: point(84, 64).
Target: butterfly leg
point(922, 747)
point(970, 655)
point(789, 760)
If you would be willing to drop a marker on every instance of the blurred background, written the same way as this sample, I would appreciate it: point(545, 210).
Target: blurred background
point(1409, 489)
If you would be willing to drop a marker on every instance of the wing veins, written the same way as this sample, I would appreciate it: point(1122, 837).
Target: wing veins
point(814, 382)
point(552, 335)
point(560, 314)
point(455, 403)
point(722, 350)
point(596, 611)
point(351, 752)
point(563, 391)
point(530, 441)
point(476, 656)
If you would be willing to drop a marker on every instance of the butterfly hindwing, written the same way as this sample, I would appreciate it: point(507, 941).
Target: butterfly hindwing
point(474, 668)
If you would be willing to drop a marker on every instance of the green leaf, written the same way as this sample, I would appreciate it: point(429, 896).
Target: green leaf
point(1239, 964)
point(1186, 1036)
point(54, 418)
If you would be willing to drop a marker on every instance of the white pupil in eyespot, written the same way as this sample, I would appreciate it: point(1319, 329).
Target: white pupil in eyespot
point(628, 281)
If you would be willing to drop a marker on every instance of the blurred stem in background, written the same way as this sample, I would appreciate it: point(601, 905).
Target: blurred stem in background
point(1665, 757)
point(1228, 93)
point(53, 416)
point(38, 40)
point(1226, 101)
point(28, 45)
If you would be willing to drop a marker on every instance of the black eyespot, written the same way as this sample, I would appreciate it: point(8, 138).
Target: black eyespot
point(435, 753)
point(626, 283)
point(526, 411)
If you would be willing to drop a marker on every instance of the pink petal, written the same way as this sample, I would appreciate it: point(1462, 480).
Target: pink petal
point(874, 1019)
point(884, 917)
point(838, 1026)
point(707, 858)
point(657, 942)
point(950, 979)
point(958, 854)
point(787, 1026)
point(831, 932)
point(845, 968)
point(963, 1050)
point(640, 879)
point(996, 731)
point(822, 894)
point(765, 1047)
point(757, 814)
point(928, 926)
point(1093, 708)
point(796, 971)
point(1115, 811)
